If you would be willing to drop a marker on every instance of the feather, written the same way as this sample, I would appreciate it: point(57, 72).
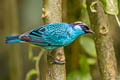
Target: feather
point(51, 36)
point(12, 39)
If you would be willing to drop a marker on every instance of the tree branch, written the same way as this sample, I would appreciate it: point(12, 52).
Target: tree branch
point(104, 43)
point(52, 12)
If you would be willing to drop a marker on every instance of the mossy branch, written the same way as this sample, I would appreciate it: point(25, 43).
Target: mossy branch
point(104, 43)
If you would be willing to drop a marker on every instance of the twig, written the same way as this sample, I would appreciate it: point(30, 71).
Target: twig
point(117, 19)
point(37, 64)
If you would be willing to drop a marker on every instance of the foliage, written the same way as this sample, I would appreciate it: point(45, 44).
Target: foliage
point(77, 75)
point(36, 70)
point(84, 61)
point(89, 45)
point(104, 44)
point(83, 73)
point(110, 7)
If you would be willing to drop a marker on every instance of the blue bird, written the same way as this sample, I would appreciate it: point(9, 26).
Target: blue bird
point(52, 36)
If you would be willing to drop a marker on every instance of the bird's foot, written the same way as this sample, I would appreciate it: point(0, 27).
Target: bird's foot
point(55, 60)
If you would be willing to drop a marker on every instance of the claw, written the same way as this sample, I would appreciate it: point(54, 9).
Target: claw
point(55, 60)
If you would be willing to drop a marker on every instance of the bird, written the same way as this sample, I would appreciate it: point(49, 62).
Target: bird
point(51, 36)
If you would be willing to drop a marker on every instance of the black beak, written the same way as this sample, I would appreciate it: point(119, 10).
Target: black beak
point(89, 31)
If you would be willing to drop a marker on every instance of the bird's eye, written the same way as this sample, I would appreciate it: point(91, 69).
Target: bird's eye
point(85, 27)
point(77, 26)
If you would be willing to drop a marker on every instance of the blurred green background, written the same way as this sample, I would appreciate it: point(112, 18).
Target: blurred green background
point(18, 16)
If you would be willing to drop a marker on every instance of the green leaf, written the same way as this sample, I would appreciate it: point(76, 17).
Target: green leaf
point(91, 61)
point(110, 6)
point(84, 4)
point(78, 75)
point(83, 73)
point(74, 75)
point(30, 74)
point(89, 45)
point(84, 66)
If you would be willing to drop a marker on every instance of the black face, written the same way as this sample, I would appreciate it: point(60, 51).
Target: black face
point(85, 28)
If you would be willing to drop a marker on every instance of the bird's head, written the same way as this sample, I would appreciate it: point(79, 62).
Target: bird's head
point(81, 27)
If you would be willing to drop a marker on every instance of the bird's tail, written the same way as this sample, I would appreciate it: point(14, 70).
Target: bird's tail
point(13, 39)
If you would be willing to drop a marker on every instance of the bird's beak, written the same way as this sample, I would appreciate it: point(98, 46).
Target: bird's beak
point(89, 31)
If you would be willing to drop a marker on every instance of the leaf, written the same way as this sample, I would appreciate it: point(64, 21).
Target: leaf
point(110, 6)
point(92, 8)
point(84, 66)
point(83, 73)
point(74, 75)
point(30, 74)
point(91, 61)
point(78, 75)
point(89, 45)
point(84, 4)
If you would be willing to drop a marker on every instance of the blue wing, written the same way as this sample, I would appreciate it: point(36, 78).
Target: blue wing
point(50, 35)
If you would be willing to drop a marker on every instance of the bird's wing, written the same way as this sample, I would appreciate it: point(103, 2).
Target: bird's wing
point(51, 34)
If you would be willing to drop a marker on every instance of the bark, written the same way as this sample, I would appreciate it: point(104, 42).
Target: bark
point(52, 12)
point(103, 40)
point(74, 50)
point(72, 53)
point(73, 13)
point(11, 26)
point(95, 72)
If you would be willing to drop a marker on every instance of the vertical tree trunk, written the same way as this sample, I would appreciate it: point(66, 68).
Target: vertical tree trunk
point(104, 42)
point(73, 51)
point(52, 12)
point(11, 26)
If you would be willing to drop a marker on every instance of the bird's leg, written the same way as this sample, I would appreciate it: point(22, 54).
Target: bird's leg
point(55, 60)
